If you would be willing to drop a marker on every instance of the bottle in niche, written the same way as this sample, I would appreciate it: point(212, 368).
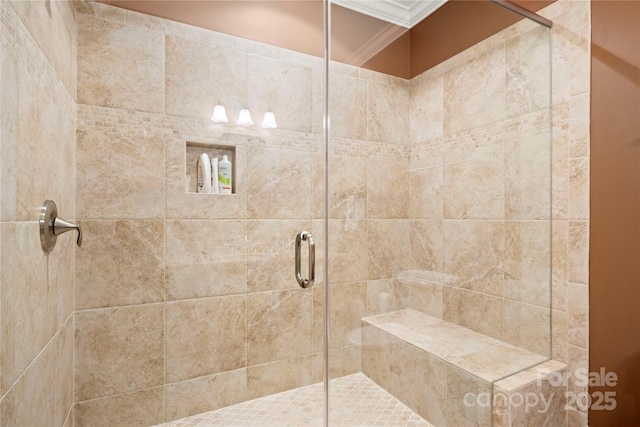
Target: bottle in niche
point(204, 174)
point(224, 175)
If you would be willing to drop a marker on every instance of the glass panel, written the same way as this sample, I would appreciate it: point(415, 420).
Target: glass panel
point(440, 213)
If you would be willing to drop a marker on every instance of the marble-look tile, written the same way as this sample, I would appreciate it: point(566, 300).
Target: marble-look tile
point(579, 117)
point(474, 254)
point(407, 319)
point(121, 263)
point(449, 341)
point(205, 258)
point(281, 87)
point(386, 295)
point(208, 36)
point(53, 27)
point(503, 359)
point(578, 360)
point(528, 326)
point(121, 179)
point(348, 106)
point(578, 255)
point(35, 388)
point(485, 318)
point(118, 350)
point(120, 66)
point(29, 314)
point(548, 409)
point(101, 11)
point(348, 250)
point(279, 325)
point(63, 367)
point(204, 336)
point(203, 394)
point(182, 204)
point(262, 49)
point(577, 418)
point(559, 245)
point(473, 52)
point(425, 296)
point(560, 163)
point(342, 361)
point(270, 249)
point(426, 110)
point(419, 380)
point(387, 118)
point(199, 75)
point(61, 277)
point(579, 188)
point(387, 192)
point(347, 187)
point(388, 260)
point(578, 321)
point(475, 188)
point(469, 104)
point(528, 76)
point(376, 355)
point(278, 376)
point(38, 122)
point(280, 184)
point(425, 188)
point(527, 259)
point(559, 335)
point(154, 23)
point(426, 242)
point(348, 306)
point(136, 409)
point(528, 178)
point(469, 412)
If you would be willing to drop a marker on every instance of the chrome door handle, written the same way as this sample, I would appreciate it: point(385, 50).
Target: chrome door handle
point(306, 283)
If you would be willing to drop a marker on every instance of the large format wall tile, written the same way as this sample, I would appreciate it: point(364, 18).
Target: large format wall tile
point(38, 121)
point(477, 101)
point(486, 316)
point(348, 106)
point(527, 259)
point(23, 274)
point(473, 255)
point(281, 87)
point(425, 193)
point(386, 295)
point(347, 187)
point(119, 175)
point(120, 263)
point(118, 350)
point(426, 240)
point(120, 66)
point(278, 376)
point(528, 326)
point(205, 258)
point(426, 106)
point(386, 261)
point(204, 394)
point(387, 120)
point(271, 253)
point(387, 191)
point(204, 336)
point(199, 75)
point(279, 185)
point(136, 409)
point(347, 250)
point(474, 188)
point(279, 325)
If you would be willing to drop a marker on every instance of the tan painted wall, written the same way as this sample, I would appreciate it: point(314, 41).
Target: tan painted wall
point(615, 206)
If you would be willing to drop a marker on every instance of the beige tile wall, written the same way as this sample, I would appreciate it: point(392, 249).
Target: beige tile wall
point(439, 210)
point(202, 286)
point(37, 146)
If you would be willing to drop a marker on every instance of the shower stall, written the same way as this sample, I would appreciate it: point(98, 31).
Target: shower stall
point(416, 152)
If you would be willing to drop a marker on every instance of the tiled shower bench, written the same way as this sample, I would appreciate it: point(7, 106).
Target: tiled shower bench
point(453, 376)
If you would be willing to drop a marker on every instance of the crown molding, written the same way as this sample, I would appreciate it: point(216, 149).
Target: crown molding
point(405, 13)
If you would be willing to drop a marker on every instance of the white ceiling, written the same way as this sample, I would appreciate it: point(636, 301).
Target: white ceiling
point(405, 13)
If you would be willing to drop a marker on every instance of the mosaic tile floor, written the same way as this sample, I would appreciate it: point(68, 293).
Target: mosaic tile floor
point(356, 402)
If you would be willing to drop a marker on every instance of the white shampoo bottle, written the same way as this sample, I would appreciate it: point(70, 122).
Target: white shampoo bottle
point(224, 175)
point(215, 189)
point(204, 174)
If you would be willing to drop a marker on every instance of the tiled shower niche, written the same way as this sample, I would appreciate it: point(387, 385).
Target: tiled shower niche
point(193, 152)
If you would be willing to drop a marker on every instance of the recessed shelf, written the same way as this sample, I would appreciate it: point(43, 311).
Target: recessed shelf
point(193, 152)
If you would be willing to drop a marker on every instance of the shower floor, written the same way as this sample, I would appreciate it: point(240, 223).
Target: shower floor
point(355, 401)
